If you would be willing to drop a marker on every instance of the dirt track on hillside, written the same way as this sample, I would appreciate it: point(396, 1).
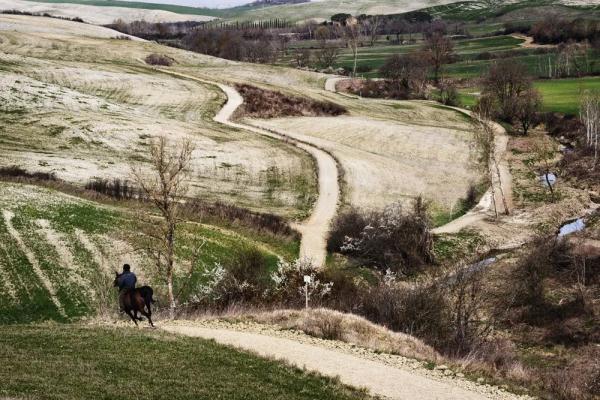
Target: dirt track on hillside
point(316, 228)
point(379, 378)
point(485, 207)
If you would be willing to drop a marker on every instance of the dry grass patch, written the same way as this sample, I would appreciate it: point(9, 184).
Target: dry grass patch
point(385, 161)
point(333, 325)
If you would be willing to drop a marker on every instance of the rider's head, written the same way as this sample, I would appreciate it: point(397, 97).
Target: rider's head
point(126, 268)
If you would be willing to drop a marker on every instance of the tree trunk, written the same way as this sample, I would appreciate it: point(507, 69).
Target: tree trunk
point(499, 176)
point(493, 190)
point(170, 265)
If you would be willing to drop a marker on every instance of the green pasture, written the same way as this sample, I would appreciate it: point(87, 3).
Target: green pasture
point(81, 285)
point(65, 362)
point(558, 95)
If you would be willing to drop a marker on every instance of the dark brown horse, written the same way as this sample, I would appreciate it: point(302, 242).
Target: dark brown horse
point(136, 300)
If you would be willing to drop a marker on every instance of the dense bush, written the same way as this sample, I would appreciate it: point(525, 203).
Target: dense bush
point(159, 59)
point(262, 103)
point(379, 89)
point(558, 30)
point(348, 223)
point(395, 239)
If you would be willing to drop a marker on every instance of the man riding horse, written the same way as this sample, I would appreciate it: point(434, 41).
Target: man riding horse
point(131, 299)
point(126, 282)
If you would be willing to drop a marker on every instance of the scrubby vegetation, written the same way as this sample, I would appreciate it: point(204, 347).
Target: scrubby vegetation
point(262, 103)
point(159, 59)
point(392, 239)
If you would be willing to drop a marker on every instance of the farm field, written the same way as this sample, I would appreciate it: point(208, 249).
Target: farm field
point(322, 10)
point(559, 95)
point(372, 58)
point(100, 362)
point(260, 176)
point(562, 95)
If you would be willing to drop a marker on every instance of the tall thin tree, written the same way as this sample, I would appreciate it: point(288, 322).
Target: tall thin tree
point(164, 186)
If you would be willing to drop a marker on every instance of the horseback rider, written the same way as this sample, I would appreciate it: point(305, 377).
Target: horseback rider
point(126, 281)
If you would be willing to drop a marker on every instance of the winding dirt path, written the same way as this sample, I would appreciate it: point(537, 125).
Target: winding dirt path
point(316, 228)
point(380, 379)
point(529, 43)
point(485, 207)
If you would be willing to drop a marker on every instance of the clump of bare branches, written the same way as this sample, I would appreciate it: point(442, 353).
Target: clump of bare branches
point(485, 149)
point(590, 116)
point(164, 185)
point(395, 238)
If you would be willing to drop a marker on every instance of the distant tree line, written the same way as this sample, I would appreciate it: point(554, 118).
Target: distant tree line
point(34, 14)
point(553, 30)
point(558, 30)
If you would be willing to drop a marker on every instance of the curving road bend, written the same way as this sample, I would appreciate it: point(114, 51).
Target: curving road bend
point(316, 228)
point(380, 379)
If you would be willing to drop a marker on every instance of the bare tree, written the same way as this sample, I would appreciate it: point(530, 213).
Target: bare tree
point(164, 186)
point(327, 55)
point(407, 71)
point(527, 106)
point(302, 58)
point(371, 26)
point(589, 112)
point(544, 154)
point(351, 32)
point(506, 81)
point(485, 143)
point(438, 50)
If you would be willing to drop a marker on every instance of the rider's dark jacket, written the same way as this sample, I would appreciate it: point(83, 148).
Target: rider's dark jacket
point(127, 280)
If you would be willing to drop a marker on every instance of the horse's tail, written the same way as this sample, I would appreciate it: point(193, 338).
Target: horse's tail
point(147, 293)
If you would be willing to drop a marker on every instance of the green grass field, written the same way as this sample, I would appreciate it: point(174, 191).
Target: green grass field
point(55, 231)
point(372, 58)
point(78, 362)
point(562, 95)
point(559, 95)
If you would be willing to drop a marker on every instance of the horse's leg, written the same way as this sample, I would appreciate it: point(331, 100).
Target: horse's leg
point(132, 316)
point(148, 314)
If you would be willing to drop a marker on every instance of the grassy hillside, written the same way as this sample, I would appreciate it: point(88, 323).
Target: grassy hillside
point(84, 105)
point(92, 362)
point(58, 254)
point(478, 10)
point(212, 12)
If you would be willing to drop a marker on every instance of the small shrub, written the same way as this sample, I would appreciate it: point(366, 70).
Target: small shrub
point(421, 310)
point(329, 327)
point(449, 95)
point(159, 59)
